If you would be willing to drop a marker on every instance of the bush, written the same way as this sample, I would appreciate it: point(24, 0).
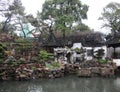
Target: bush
point(11, 61)
point(33, 68)
point(21, 60)
point(102, 61)
point(77, 49)
point(100, 53)
point(2, 51)
point(1, 60)
point(21, 40)
point(53, 65)
point(34, 59)
point(45, 56)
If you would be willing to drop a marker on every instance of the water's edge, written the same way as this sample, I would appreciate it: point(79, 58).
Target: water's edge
point(65, 84)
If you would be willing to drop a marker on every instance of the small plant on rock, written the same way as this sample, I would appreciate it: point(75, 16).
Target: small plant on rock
point(44, 56)
point(21, 60)
point(11, 61)
point(99, 53)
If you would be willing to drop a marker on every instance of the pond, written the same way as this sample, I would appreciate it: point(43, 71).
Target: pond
point(66, 84)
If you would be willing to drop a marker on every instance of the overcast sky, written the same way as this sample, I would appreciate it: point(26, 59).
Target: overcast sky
point(95, 10)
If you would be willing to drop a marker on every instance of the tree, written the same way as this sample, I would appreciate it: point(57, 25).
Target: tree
point(14, 17)
point(2, 52)
point(81, 28)
point(64, 13)
point(41, 28)
point(4, 4)
point(7, 27)
point(111, 17)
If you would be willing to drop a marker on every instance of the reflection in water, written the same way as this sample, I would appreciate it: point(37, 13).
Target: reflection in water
point(117, 83)
point(66, 84)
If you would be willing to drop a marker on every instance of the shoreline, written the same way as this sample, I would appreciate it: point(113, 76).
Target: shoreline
point(36, 71)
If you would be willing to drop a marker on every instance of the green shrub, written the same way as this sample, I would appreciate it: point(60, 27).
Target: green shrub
point(21, 60)
point(77, 49)
point(33, 68)
point(2, 51)
point(55, 64)
point(100, 53)
point(10, 60)
point(21, 40)
point(14, 63)
point(49, 66)
point(34, 59)
point(1, 60)
point(44, 56)
point(102, 61)
point(52, 65)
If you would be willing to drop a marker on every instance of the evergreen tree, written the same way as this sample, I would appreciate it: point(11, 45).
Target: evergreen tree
point(111, 17)
point(63, 14)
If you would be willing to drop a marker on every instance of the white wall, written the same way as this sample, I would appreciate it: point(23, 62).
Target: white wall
point(95, 49)
point(76, 45)
point(79, 45)
point(110, 51)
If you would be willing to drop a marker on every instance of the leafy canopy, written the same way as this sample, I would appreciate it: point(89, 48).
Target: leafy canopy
point(64, 13)
point(111, 16)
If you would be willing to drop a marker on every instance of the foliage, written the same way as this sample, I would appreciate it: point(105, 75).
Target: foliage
point(16, 7)
point(2, 51)
point(81, 27)
point(34, 59)
point(77, 49)
point(21, 40)
point(102, 61)
point(59, 15)
point(53, 65)
point(41, 27)
point(21, 60)
point(22, 43)
point(44, 56)
point(6, 27)
point(10, 60)
point(99, 53)
point(14, 63)
point(49, 66)
point(1, 60)
point(111, 16)
point(63, 14)
point(33, 68)
point(13, 17)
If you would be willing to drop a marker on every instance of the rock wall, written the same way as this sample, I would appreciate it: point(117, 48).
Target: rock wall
point(36, 70)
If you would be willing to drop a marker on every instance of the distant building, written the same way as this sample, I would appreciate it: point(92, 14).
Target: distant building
point(26, 28)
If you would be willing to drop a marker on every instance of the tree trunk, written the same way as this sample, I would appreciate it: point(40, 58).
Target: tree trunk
point(23, 31)
point(7, 21)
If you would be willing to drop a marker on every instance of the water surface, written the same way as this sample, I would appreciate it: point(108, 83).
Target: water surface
point(66, 84)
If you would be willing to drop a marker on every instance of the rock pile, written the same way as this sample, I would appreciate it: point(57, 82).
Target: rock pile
point(55, 73)
point(88, 69)
point(29, 71)
point(36, 70)
point(71, 68)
